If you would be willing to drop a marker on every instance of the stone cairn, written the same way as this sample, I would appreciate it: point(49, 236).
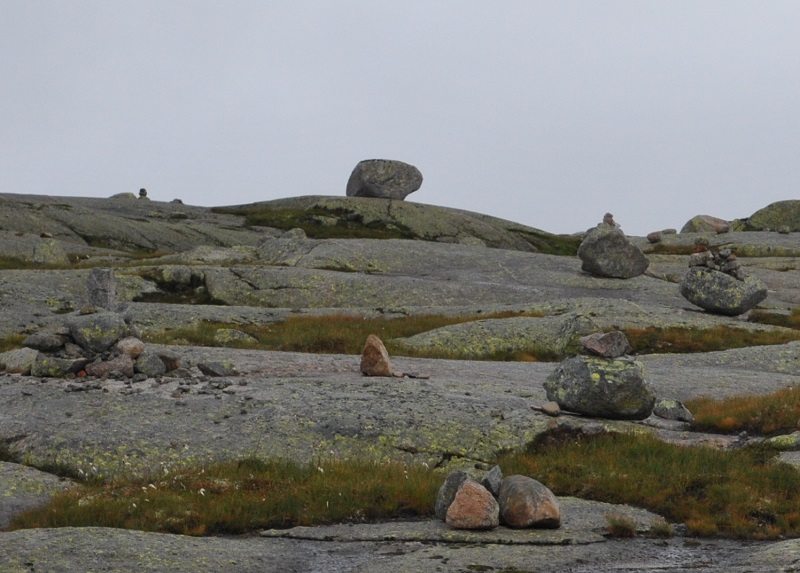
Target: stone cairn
point(606, 252)
point(97, 342)
point(716, 282)
point(608, 384)
point(517, 501)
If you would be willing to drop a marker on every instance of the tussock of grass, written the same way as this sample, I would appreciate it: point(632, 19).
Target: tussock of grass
point(764, 415)
point(685, 340)
point(11, 342)
point(791, 320)
point(741, 494)
point(240, 497)
point(330, 334)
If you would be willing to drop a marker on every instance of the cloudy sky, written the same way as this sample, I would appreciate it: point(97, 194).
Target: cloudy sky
point(545, 113)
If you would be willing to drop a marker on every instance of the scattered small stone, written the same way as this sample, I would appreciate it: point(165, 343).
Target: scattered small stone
point(673, 410)
point(551, 409)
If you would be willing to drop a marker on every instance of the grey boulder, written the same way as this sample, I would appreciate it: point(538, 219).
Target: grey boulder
point(97, 332)
point(601, 388)
point(606, 252)
point(721, 293)
point(383, 178)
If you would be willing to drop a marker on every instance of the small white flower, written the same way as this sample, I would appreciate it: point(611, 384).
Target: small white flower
point(202, 491)
point(322, 471)
point(151, 486)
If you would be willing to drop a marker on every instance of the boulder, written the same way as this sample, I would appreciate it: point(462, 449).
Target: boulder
point(119, 366)
point(97, 332)
point(721, 293)
point(607, 344)
point(673, 410)
point(150, 364)
point(233, 337)
point(217, 369)
point(706, 224)
point(601, 388)
point(50, 252)
point(131, 346)
point(383, 178)
point(525, 502)
point(492, 480)
point(46, 341)
point(18, 361)
point(780, 215)
point(607, 252)
point(447, 493)
point(171, 360)
point(45, 366)
point(473, 507)
point(374, 358)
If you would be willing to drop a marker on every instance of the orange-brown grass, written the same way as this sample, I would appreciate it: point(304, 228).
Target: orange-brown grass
point(791, 320)
point(244, 496)
point(741, 494)
point(768, 414)
point(11, 342)
point(332, 334)
point(684, 340)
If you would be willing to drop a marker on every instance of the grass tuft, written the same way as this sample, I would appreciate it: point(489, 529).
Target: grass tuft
point(11, 342)
point(763, 415)
point(620, 525)
point(242, 496)
point(743, 493)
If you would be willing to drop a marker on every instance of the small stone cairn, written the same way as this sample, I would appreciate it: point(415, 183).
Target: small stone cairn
point(384, 179)
point(608, 384)
point(99, 341)
point(606, 252)
point(517, 501)
point(718, 283)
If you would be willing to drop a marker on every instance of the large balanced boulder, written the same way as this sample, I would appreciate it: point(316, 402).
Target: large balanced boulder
point(721, 293)
point(601, 388)
point(383, 178)
point(525, 502)
point(607, 252)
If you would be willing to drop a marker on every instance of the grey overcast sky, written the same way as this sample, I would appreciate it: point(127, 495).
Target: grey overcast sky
point(545, 113)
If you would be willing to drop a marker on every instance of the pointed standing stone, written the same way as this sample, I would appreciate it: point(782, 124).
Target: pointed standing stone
point(375, 359)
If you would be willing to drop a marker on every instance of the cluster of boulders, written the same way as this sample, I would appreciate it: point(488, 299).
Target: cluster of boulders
point(517, 501)
point(98, 341)
point(717, 283)
point(606, 252)
point(384, 179)
point(606, 384)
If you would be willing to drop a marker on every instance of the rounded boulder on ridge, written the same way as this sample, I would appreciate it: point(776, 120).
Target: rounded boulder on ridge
point(383, 178)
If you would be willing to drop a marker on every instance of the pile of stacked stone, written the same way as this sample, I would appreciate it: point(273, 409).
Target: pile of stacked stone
point(516, 501)
point(606, 252)
point(608, 383)
point(99, 341)
point(718, 283)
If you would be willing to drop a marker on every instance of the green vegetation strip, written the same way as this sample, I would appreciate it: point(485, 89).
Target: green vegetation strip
point(743, 493)
point(244, 496)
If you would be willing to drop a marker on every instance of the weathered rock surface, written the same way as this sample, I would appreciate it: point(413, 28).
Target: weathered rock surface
point(722, 293)
point(23, 488)
point(607, 252)
point(602, 388)
point(384, 179)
